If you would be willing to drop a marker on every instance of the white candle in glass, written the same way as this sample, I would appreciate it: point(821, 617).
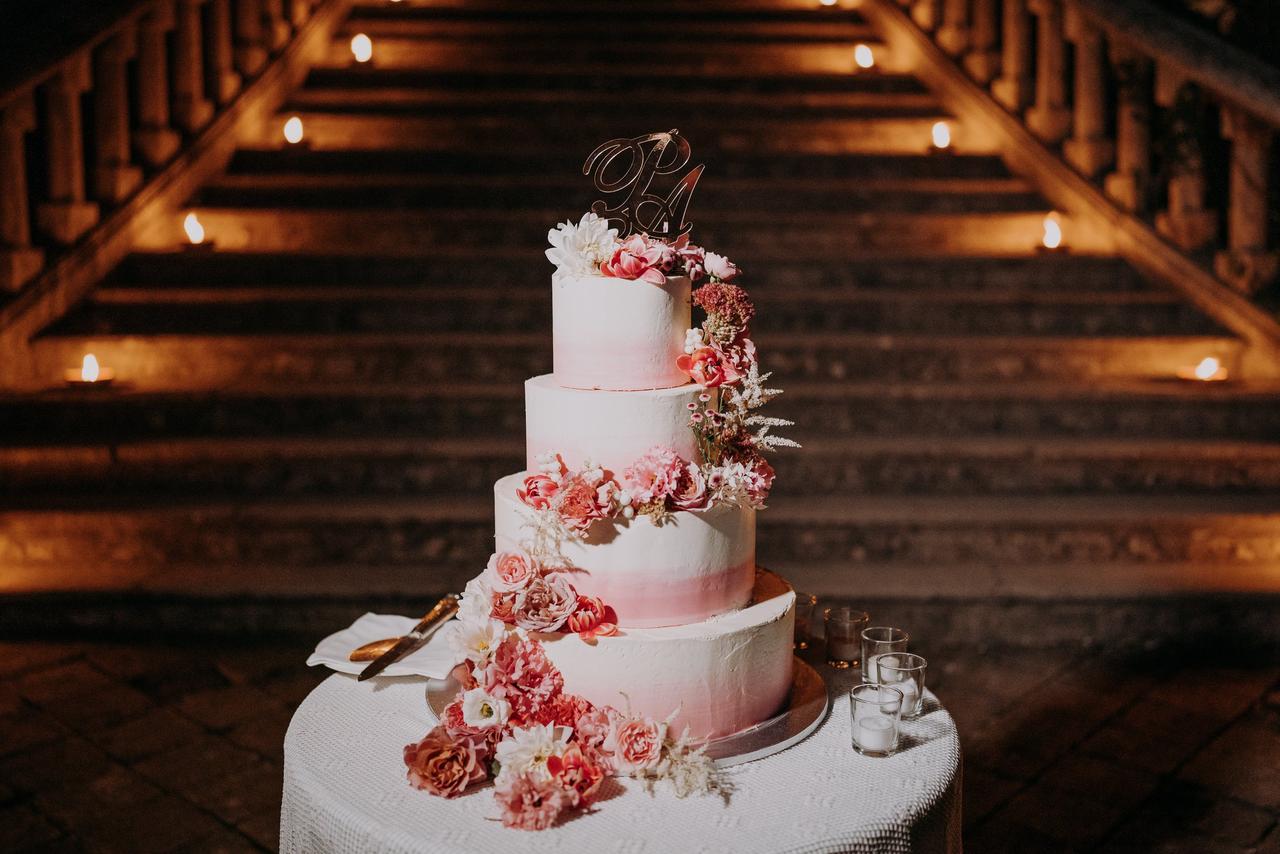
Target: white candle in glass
point(910, 697)
point(874, 732)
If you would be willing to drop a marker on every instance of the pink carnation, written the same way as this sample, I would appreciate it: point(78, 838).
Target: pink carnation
point(654, 476)
point(546, 603)
point(520, 672)
point(691, 489)
point(640, 258)
point(564, 710)
point(530, 803)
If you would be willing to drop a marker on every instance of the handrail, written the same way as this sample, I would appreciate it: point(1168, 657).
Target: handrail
point(1224, 70)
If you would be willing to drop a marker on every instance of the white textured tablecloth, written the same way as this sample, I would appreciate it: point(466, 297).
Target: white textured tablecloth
point(345, 791)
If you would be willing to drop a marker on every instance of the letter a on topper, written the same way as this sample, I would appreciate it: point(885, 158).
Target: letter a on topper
point(635, 208)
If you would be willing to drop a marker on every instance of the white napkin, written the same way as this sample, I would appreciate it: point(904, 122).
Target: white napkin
point(434, 659)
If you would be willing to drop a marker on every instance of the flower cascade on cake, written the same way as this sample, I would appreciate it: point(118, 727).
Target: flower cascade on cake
point(547, 751)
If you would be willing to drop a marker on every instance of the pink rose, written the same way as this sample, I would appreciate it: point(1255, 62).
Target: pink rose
point(504, 606)
point(576, 774)
point(520, 672)
point(546, 603)
point(580, 502)
point(691, 489)
point(721, 268)
point(530, 803)
point(538, 491)
point(708, 367)
point(511, 571)
point(443, 766)
point(638, 258)
point(592, 619)
point(635, 743)
point(654, 476)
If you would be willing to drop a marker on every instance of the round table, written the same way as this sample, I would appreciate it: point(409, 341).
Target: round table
point(345, 790)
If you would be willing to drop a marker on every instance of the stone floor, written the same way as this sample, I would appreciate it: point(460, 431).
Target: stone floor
point(140, 747)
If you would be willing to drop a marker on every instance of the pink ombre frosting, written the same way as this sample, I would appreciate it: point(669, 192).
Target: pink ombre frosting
point(619, 334)
point(697, 565)
point(722, 675)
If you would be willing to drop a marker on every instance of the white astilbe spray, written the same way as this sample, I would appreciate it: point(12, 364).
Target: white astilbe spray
point(688, 769)
point(578, 250)
point(750, 394)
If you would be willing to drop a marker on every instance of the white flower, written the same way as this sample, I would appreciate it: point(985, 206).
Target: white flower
point(527, 749)
point(692, 340)
point(578, 250)
point(477, 600)
point(476, 639)
point(482, 710)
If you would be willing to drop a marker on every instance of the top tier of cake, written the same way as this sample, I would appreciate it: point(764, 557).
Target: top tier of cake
point(619, 334)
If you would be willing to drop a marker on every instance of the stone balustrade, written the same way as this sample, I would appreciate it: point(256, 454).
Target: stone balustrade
point(1120, 88)
point(188, 58)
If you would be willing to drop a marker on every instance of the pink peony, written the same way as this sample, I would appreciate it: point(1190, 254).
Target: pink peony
point(635, 744)
point(640, 258)
point(721, 268)
point(576, 774)
point(538, 491)
point(531, 803)
point(442, 765)
point(546, 603)
point(592, 619)
point(511, 571)
point(708, 367)
point(580, 502)
point(521, 673)
point(691, 489)
point(654, 476)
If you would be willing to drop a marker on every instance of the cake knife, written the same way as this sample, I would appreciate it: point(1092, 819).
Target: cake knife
point(441, 611)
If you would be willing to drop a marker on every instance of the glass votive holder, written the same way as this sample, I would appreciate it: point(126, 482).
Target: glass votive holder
point(877, 640)
point(805, 605)
point(844, 632)
point(875, 710)
point(904, 671)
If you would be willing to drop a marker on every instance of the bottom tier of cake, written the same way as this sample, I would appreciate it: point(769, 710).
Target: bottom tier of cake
point(719, 676)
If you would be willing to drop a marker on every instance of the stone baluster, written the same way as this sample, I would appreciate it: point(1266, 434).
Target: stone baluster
point(927, 14)
point(1049, 117)
point(115, 174)
point(1127, 185)
point(983, 60)
point(191, 109)
point(1089, 149)
point(273, 21)
point(1186, 221)
point(251, 55)
point(66, 214)
point(953, 36)
point(1013, 87)
point(154, 139)
point(19, 260)
point(1247, 264)
point(223, 80)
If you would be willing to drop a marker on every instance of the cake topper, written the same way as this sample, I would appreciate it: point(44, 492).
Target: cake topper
point(638, 209)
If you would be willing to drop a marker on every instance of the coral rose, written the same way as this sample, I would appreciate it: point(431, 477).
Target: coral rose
point(538, 491)
point(635, 744)
point(511, 571)
point(708, 367)
point(443, 766)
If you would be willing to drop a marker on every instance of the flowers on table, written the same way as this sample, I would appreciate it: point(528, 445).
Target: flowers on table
point(590, 247)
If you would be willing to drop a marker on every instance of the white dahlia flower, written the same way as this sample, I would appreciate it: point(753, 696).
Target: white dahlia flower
point(578, 250)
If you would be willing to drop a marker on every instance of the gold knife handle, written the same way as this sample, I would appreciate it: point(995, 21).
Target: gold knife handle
point(441, 611)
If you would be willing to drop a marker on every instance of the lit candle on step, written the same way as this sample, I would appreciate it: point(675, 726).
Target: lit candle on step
point(1052, 238)
point(941, 134)
point(89, 373)
point(1209, 369)
point(195, 231)
point(828, 2)
point(362, 47)
point(863, 57)
point(293, 130)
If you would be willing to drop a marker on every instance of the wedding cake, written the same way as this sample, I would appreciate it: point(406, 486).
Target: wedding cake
point(622, 620)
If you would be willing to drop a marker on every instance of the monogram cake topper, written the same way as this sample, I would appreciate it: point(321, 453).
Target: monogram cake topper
point(637, 209)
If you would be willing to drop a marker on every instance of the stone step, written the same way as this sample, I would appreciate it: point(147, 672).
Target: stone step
point(715, 198)
point(1121, 545)
point(826, 237)
point(51, 476)
point(1009, 410)
point(283, 309)
point(194, 359)
point(656, 14)
point(770, 270)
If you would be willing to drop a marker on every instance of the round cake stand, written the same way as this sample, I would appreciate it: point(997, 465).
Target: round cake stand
point(806, 707)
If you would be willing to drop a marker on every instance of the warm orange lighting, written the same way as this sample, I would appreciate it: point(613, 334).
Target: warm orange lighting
point(89, 373)
point(362, 47)
point(1052, 232)
point(863, 57)
point(195, 231)
point(1207, 370)
point(941, 135)
point(293, 130)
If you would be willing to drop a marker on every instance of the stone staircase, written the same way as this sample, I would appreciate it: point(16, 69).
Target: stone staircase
point(311, 417)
